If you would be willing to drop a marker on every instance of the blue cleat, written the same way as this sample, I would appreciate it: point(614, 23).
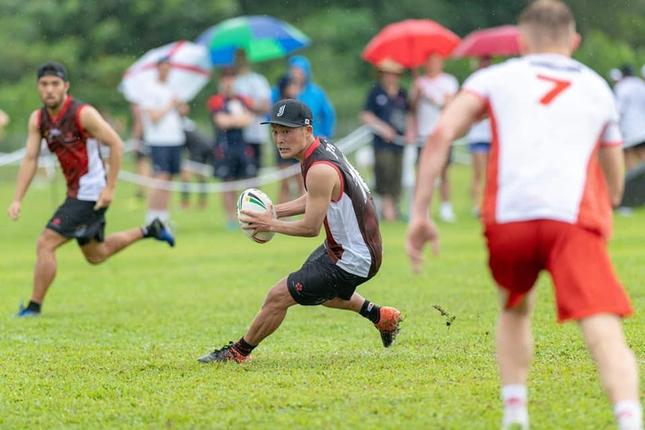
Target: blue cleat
point(24, 312)
point(160, 231)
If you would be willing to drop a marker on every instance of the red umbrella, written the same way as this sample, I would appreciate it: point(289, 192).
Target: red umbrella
point(503, 40)
point(410, 42)
point(490, 41)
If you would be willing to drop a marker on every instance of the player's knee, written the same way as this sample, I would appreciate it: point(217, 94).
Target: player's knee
point(277, 298)
point(94, 259)
point(44, 245)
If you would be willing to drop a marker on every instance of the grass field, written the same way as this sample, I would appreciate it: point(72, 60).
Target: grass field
point(117, 344)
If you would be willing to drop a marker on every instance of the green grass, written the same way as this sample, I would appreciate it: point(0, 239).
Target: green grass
point(117, 344)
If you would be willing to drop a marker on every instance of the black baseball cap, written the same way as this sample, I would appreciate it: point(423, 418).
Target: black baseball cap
point(290, 113)
point(52, 68)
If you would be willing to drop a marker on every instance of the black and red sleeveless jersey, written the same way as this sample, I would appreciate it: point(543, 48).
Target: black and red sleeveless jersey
point(351, 225)
point(77, 153)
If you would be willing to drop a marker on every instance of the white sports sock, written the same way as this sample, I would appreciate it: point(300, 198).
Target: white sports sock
point(515, 406)
point(163, 215)
point(629, 415)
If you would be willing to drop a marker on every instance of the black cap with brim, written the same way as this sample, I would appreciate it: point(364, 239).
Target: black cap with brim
point(52, 68)
point(290, 113)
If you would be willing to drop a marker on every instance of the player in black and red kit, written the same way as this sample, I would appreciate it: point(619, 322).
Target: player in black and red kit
point(337, 198)
point(73, 131)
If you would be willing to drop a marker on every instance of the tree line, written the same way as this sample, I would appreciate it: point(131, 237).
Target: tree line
point(97, 41)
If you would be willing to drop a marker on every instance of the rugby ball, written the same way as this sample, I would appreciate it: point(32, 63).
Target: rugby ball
point(254, 200)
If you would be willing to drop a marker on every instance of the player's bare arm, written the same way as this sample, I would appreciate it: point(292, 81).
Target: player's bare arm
point(454, 122)
point(98, 128)
point(28, 166)
point(612, 163)
point(291, 208)
point(322, 182)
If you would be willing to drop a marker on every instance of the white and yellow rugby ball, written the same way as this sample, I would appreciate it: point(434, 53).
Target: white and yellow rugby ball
point(254, 200)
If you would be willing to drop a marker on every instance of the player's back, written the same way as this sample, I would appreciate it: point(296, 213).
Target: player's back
point(548, 114)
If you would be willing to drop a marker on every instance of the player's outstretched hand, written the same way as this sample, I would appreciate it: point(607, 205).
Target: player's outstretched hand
point(105, 199)
point(420, 231)
point(14, 210)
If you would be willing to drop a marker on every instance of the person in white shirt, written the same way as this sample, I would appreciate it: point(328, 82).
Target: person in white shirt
point(430, 93)
point(630, 97)
point(555, 169)
point(164, 134)
point(255, 88)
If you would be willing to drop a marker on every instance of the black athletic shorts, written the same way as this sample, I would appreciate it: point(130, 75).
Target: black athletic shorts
point(234, 162)
point(77, 219)
point(319, 280)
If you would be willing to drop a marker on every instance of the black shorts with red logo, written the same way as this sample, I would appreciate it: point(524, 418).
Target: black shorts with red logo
point(320, 279)
point(77, 219)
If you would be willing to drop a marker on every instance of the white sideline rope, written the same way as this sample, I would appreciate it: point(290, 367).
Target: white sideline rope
point(348, 144)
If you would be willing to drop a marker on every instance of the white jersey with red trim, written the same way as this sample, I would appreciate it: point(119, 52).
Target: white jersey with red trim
point(549, 115)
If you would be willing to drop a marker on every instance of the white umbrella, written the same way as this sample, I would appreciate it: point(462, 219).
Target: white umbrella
point(190, 70)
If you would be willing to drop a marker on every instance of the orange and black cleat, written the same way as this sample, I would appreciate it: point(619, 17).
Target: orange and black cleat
point(226, 353)
point(388, 324)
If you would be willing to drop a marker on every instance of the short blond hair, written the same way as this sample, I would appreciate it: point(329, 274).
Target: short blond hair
point(548, 22)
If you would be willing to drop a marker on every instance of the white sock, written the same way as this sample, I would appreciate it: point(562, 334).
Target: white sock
point(515, 406)
point(163, 215)
point(629, 415)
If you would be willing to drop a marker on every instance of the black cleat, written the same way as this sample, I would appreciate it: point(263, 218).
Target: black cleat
point(160, 231)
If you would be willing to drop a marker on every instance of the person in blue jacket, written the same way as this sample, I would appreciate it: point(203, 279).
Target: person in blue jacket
point(324, 115)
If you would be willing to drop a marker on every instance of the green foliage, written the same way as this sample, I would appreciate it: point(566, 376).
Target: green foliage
point(97, 40)
point(117, 344)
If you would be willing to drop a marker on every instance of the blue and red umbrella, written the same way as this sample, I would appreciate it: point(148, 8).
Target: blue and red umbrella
point(262, 37)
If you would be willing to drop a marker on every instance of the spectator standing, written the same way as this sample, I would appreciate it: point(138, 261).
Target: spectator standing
point(163, 133)
point(430, 93)
point(387, 113)
point(256, 90)
point(234, 157)
point(313, 96)
point(630, 98)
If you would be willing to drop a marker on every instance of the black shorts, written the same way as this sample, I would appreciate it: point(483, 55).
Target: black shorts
point(319, 280)
point(77, 219)
point(234, 162)
point(200, 148)
point(166, 159)
point(257, 154)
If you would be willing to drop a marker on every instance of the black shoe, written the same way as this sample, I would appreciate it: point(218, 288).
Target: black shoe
point(158, 230)
point(226, 353)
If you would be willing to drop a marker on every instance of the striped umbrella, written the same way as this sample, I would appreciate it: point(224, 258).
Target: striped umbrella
point(262, 37)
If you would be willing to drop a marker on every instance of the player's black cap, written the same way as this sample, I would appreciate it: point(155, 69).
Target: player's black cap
point(52, 68)
point(290, 113)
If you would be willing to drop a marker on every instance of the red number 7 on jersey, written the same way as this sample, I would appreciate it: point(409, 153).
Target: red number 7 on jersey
point(559, 86)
